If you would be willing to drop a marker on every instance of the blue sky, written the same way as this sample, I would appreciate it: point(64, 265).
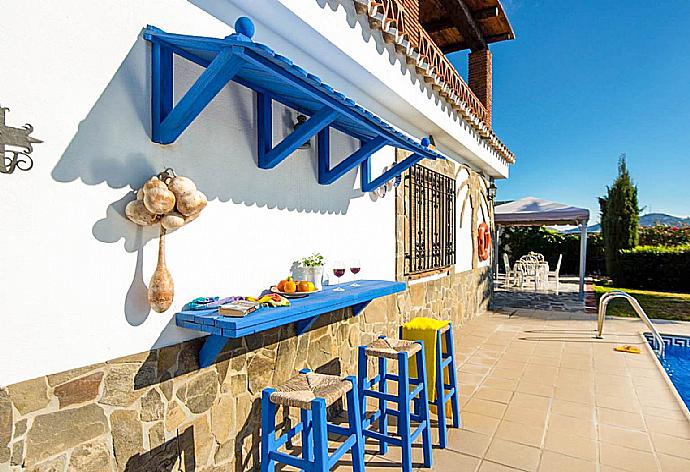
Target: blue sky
point(586, 81)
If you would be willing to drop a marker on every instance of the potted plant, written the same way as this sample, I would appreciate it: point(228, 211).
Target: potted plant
point(311, 268)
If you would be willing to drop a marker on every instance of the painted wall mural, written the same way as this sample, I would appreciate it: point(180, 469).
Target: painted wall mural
point(478, 199)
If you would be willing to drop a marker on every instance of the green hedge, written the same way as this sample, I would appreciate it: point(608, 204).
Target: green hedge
point(665, 235)
point(518, 241)
point(661, 268)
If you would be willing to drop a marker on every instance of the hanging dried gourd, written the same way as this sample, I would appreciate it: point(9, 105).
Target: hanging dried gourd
point(173, 201)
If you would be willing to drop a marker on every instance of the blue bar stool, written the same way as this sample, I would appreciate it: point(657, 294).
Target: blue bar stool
point(409, 389)
point(445, 392)
point(312, 393)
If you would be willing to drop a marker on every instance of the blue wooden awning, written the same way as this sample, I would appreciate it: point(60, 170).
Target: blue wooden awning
point(273, 77)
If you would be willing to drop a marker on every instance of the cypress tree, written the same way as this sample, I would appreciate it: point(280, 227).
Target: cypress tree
point(620, 217)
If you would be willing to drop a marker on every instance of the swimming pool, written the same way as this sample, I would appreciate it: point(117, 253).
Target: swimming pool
point(676, 363)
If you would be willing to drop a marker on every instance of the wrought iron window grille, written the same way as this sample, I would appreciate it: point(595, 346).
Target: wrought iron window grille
point(429, 199)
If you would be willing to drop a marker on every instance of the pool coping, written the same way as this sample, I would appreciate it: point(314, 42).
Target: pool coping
point(667, 379)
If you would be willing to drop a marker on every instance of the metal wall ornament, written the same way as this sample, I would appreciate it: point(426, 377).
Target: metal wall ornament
point(15, 146)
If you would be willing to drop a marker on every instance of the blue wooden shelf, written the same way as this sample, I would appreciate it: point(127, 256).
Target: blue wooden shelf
point(302, 311)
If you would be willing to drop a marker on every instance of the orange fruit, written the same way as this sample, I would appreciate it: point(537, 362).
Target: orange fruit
point(281, 286)
point(303, 286)
point(290, 286)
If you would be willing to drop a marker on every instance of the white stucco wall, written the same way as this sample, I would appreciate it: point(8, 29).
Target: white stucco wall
point(74, 271)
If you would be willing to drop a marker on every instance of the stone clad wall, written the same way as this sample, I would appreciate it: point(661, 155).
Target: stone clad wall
point(157, 411)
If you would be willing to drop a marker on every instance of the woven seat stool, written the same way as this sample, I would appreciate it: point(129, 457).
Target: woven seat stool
point(444, 353)
point(312, 393)
point(409, 389)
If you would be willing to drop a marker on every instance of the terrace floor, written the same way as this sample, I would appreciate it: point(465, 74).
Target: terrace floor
point(539, 393)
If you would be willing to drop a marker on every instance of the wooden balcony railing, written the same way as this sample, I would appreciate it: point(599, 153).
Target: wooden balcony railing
point(421, 52)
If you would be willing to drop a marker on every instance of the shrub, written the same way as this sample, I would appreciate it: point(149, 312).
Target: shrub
point(620, 216)
point(661, 235)
point(518, 241)
point(662, 268)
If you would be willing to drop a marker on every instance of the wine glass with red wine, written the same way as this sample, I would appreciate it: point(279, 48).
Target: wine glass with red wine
point(338, 271)
point(355, 267)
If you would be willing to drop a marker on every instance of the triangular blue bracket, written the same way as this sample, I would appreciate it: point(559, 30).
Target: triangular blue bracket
point(269, 155)
point(327, 175)
point(365, 175)
point(169, 121)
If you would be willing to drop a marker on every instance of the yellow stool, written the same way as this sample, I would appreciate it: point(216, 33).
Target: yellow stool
point(437, 336)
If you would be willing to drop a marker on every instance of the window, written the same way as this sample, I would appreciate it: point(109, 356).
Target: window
point(429, 232)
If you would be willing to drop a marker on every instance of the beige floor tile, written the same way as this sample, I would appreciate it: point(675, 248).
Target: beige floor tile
point(488, 466)
point(527, 400)
point(619, 418)
point(493, 394)
point(673, 464)
point(474, 369)
point(570, 445)
point(535, 378)
point(525, 416)
point(514, 454)
point(506, 373)
point(485, 407)
point(573, 409)
point(671, 445)
point(468, 442)
point(624, 437)
point(541, 370)
point(679, 429)
point(479, 423)
point(554, 462)
point(446, 460)
point(671, 414)
point(509, 363)
point(535, 389)
point(521, 433)
point(617, 402)
point(573, 426)
point(626, 459)
point(500, 383)
point(469, 378)
point(580, 395)
point(554, 361)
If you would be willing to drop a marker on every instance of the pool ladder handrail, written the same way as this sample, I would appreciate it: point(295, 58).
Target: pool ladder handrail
point(603, 303)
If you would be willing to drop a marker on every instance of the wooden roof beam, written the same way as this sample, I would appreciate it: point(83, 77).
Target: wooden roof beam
point(485, 13)
point(462, 18)
point(438, 25)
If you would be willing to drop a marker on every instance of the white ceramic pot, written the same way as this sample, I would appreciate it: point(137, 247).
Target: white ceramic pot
point(314, 275)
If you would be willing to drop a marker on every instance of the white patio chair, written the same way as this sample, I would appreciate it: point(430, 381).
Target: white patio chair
point(510, 272)
point(555, 274)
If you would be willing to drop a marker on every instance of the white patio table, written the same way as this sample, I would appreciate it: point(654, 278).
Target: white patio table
point(532, 267)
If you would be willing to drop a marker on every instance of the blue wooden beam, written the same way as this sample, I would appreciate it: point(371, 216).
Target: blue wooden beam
point(328, 176)
point(161, 84)
point(269, 158)
point(368, 185)
point(211, 348)
point(264, 124)
point(219, 72)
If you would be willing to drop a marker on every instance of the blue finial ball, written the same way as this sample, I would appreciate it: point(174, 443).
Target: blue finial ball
point(425, 142)
point(245, 26)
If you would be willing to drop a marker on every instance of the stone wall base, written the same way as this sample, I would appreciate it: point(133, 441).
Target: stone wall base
point(157, 411)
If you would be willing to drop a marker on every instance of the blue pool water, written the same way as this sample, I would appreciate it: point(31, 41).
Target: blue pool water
point(677, 363)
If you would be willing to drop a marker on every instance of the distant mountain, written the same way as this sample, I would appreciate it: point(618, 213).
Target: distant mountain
point(653, 219)
point(650, 219)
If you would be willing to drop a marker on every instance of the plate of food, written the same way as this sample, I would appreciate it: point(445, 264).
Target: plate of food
point(290, 288)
